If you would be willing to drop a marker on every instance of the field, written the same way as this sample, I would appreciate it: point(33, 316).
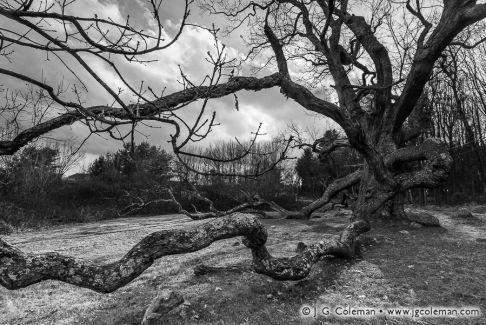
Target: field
point(399, 266)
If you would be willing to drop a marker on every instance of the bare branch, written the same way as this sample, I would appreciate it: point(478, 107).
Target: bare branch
point(146, 111)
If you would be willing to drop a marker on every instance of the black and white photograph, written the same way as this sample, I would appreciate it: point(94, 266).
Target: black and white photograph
point(243, 162)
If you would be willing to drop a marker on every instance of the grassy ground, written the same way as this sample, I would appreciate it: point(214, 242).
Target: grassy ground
point(420, 267)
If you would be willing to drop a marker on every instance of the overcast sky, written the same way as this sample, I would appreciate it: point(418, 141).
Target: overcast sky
point(268, 107)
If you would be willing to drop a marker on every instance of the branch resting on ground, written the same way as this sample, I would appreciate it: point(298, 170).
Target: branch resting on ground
point(252, 203)
point(434, 171)
point(19, 269)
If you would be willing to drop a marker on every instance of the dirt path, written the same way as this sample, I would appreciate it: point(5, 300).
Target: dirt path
point(105, 239)
point(460, 228)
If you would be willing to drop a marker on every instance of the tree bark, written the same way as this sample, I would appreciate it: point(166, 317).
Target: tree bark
point(393, 210)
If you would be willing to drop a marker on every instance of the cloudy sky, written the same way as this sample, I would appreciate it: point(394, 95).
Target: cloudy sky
point(268, 107)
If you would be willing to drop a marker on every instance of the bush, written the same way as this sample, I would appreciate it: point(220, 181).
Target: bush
point(50, 213)
point(464, 213)
point(16, 216)
point(5, 228)
point(92, 191)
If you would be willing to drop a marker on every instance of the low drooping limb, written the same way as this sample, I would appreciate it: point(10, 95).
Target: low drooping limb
point(19, 269)
point(252, 203)
point(256, 201)
point(333, 189)
point(139, 203)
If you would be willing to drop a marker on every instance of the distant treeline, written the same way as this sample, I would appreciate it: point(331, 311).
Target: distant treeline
point(34, 191)
point(130, 181)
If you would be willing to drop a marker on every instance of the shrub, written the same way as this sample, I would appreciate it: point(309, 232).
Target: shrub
point(16, 216)
point(5, 228)
point(92, 191)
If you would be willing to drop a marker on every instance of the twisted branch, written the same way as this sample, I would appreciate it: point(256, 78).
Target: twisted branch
point(19, 269)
